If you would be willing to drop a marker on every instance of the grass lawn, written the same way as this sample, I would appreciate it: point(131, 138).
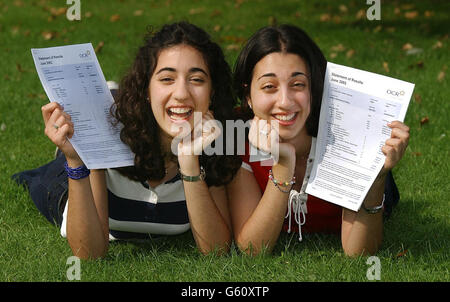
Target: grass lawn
point(410, 42)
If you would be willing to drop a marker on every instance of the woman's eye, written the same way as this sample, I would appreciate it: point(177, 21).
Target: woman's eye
point(268, 87)
point(198, 80)
point(166, 79)
point(299, 85)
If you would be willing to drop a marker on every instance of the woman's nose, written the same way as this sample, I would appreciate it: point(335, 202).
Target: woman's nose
point(181, 91)
point(284, 99)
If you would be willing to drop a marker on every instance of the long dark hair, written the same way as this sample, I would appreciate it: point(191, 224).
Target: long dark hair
point(141, 131)
point(286, 39)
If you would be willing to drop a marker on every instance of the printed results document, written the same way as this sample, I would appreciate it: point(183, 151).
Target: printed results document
point(72, 77)
point(356, 108)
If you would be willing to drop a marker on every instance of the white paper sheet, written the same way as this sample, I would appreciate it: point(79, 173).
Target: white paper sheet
point(71, 76)
point(356, 108)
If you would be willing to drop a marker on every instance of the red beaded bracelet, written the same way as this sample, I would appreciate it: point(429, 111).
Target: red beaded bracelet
point(281, 184)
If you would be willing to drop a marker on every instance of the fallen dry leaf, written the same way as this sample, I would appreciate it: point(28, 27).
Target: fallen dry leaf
point(19, 68)
point(114, 18)
point(428, 14)
point(438, 44)
point(390, 29)
point(361, 14)
point(386, 66)
point(441, 76)
point(195, 11)
point(233, 47)
point(338, 47)
point(18, 3)
point(416, 153)
point(99, 47)
point(419, 65)
point(407, 46)
point(424, 120)
point(217, 28)
point(343, 8)
point(138, 12)
point(411, 15)
point(58, 11)
point(325, 17)
point(407, 6)
point(48, 35)
point(401, 254)
point(350, 53)
point(216, 13)
point(417, 98)
point(238, 3)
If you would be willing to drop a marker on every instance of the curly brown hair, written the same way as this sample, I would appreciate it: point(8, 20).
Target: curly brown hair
point(140, 129)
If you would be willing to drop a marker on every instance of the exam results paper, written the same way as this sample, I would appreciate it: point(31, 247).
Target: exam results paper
point(356, 107)
point(72, 77)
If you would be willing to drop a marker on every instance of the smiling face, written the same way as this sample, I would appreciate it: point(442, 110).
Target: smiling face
point(280, 92)
point(180, 85)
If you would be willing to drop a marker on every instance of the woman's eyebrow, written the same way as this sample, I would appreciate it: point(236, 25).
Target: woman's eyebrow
point(192, 70)
point(297, 73)
point(293, 75)
point(166, 69)
point(267, 75)
point(197, 69)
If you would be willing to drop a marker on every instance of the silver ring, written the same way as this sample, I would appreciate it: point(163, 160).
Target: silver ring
point(56, 126)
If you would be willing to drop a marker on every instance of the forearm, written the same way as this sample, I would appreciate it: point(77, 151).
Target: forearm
point(262, 229)
point(362, 233)
point(85, 233)
point(209, 227)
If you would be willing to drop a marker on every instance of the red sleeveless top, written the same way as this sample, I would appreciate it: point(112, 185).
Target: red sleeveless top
point(321, 216)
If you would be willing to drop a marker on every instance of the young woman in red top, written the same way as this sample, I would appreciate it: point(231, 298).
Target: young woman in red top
point(279, 78)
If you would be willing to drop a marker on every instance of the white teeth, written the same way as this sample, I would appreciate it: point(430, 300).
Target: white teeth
point(179, 110)
point(286, 117)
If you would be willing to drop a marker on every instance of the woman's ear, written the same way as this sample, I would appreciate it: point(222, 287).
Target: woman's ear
point(249, 103)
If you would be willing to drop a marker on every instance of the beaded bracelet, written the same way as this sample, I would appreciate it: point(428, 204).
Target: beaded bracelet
point(77, 173)
point(282, 184)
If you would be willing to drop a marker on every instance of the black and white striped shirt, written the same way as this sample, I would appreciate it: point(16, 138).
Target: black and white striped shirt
point(138, 211)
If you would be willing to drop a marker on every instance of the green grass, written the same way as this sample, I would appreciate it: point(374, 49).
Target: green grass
point(32, 250)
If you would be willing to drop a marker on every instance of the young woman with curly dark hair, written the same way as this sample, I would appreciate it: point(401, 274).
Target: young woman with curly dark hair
point(178, 71)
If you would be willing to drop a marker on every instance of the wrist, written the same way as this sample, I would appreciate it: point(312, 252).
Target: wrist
point(371, 209)
point(76, 173)
point(74, 162)
point(193, 178)
point(189, 164)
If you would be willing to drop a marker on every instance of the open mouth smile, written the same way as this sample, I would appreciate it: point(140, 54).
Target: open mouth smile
point(285, 119)
point(179, 113)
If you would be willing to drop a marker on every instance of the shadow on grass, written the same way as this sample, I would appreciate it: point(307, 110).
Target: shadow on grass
point(416, 228)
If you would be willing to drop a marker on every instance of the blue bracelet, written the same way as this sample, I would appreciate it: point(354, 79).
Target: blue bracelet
point(77, 173)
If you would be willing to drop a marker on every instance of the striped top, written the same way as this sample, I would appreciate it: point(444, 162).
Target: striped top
point(138, 211)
